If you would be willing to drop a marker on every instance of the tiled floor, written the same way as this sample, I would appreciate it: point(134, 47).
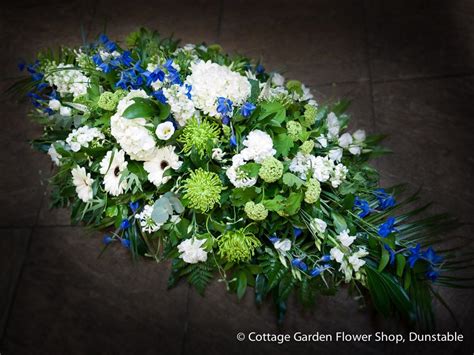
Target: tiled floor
point(406, 65)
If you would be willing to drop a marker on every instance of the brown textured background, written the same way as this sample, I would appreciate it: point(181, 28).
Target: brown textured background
point(408, 67)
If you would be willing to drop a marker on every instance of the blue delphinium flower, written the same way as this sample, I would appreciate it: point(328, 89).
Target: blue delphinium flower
point(259, 69)
point(326, 258)
point(247, 109)
point(173, 74)
point(125, 58)
point(299, 264)
point(385, 199)
point(224, 106)
point(363, 205)
point(315, 272)
point(188, 91)
point(125, 224)
point(107, 239)
point(432, 274)
point(415, 255)
point(160, 96)
point(233, 141)
point(153, 76)
point(134, 206)
point(297, 232)
point(225, 120)
point(430, 256)
point(387, 227)
point(107, 43)
point(125, 243)
point(132, 78)
point(391, 253)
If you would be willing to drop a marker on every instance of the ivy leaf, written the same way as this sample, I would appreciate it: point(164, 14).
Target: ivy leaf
point(291, 180)
point(283, 144)
point(142, 108)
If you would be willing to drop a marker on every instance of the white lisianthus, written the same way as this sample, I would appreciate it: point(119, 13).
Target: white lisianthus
point(359, 136)
point(345, 239)
point(210, 81)
point(163, 159)
point(278, 79)
point(320, 225)
point(355, 150)
point(147, 224)
point(54, 104)
point(345, 140)
point(112, 167)
point(191, 251)
point(356, 262)
point(133, 135)
point(237, 177)
point(283, 245)
point(322, 141)
point(259, 145)
point(335, 154)
point(336, 254)
point(83, 183)
point(164, 130)
point(65, 111)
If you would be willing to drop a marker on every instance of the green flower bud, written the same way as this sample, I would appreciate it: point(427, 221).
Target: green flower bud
point(307, 147)
point(294, 129)
point(271, 170)
point(313, 190)
point(256, 211)
point(310, 112)
point(107, 101)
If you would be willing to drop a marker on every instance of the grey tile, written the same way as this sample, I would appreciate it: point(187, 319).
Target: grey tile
point(13, 250)
point(49, 216)
point(413, 38)
point(316, 42)
point(71, 301)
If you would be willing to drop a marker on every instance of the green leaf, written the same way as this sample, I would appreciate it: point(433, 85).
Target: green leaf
point(293, 202)
point(241, 284)
point(286, 286)
point(254, 91)
point(291, 180)
point(162, 209)
point(384, 259)
point(275, 204)
point(401, 261)
point(339, 222)
point(283, 144)
point(240, 197)
point(142, 108)
point(251, 169)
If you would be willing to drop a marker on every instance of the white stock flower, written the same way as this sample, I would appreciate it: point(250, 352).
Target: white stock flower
point(345, 239)
point(210, 81)
point(164, 158)
point(83, 183)
point(68, 80)
point(283, 245)
point(82, 136)
point(191, 250)
point(164, 130)
point(112, 166)
point(259, 145)
point(182, 107)
point(338, 175)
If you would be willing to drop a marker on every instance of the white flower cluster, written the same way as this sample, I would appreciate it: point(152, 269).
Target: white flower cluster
point(112, 167)
point(258, 146)
point(82, 136)
point(351, 262)
point(181, 106)
point(68, 80)
point(322, 168)
point(146, 222)
point(191, 250)
point(133, 135)
point(211, 80)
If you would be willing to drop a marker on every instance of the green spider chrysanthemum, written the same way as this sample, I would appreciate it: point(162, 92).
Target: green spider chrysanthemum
point(271, 170)
point(310, 112)
point(108, 101)
point(197, 134)
point(294, 129)
point(202, 190)
point(307, 147)
point(313, 190)
point(255, 211)
point(237, 245)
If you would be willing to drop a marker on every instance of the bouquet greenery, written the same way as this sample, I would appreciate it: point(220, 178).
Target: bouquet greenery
point(189, 154)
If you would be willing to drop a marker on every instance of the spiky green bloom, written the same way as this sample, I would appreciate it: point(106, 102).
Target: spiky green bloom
point(307, 147)
point(202, 190)
point(237, 245)
point(313, 190)
point(310, 112)
point(200, 135)
point(255, 211)
point(271, 170)
point(294, 129)
point(108, 101)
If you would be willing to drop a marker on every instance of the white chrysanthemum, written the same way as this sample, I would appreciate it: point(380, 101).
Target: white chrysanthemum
point(146, 222)
point(259, 145)
point(133, 135)
point(346, 239)
point(210, 81)
point(237, 177)
point(83, 183)
point(338, 175)
point(191, 250)
point(164, 158)
point(165, 130)
point(82, 136)
point(112, 167)
point(68, 80)
point(182, 107)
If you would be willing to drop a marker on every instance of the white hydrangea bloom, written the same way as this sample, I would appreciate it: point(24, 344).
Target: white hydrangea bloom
point(133, 135)
point(83, 183)
point(82, 136)
point(211, 80)
point(191, 250)
point(163, 159)
point(259, 145)
point(112, 166)
point(322, 168)
point(181, 106)
point(147, 224)
point(338, 175)
point(346, 239)
point(68, 80)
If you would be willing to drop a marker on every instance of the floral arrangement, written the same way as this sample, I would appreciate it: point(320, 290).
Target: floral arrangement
point(191, 155)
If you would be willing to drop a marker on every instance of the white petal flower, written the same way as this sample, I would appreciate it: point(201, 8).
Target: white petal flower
point(335, 154)
point(345, 140)
point(217, 154)
point(54, 104)
point(65, 111)
point(83, 182)
point(336, 254)
point(112, 166)
point(164, 130)
point(147, 224)
point(359, 136)
point(356, 262)
point(82, 136)
point(259, 145)
point(323, 142)
point(68, 80)
point(278, 79)
point(320, 225)
point(333, 126)
point(191, 251)
point(355, 150)
point(53, 153)
point(345, 239)
point(338, 175)
point(283, 245)
point(182, 107)
point(164, 158)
